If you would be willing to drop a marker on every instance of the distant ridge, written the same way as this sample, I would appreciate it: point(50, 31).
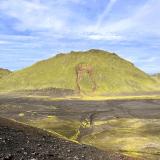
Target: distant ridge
point(156, 76)
point(4, 72)
point(111, 73)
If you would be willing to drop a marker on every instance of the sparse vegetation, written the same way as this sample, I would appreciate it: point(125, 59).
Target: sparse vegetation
point(128, 126)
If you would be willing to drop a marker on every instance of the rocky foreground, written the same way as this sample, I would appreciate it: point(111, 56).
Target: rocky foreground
point(20, 142)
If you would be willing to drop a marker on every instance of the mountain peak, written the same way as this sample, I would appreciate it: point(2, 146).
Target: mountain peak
point(111, 73)
point(3, 69)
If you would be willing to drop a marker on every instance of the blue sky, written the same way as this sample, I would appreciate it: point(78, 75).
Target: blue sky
point(31, 30)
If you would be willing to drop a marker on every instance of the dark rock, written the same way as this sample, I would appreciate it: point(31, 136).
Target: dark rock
point(8, 157)
point(51, 148)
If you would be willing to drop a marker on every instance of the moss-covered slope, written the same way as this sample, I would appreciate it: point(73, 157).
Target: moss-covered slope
point(111, 73)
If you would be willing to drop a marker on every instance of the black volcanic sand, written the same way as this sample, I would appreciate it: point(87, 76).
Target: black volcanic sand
point(20, 142)
point(34, 109)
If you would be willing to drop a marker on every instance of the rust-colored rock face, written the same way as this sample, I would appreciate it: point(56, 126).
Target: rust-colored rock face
point(80, 70)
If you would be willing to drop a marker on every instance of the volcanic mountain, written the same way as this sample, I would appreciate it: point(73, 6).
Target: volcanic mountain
point(110, 73)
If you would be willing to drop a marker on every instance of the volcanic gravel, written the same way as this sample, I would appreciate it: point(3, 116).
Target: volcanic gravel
point(21, 142)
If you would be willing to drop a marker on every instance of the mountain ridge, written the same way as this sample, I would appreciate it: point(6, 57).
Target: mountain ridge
point(4, 72)
point(112, 74)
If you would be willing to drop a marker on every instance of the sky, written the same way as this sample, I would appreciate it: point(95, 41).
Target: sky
point(32, 30)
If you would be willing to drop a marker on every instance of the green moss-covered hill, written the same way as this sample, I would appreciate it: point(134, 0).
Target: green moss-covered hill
point(4, 72)
point(112, 74)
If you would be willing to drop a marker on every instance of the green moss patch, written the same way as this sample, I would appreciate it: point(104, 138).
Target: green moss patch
point(66, 128)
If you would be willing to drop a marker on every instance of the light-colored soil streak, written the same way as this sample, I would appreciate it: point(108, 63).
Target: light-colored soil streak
point(131, 127)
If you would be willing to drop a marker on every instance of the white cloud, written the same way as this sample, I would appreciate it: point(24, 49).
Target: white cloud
point(147, 60)
point(32, 15)
point(105, 12)
point(53, 17)
point(4, 42)
point(107, 37)
point(59, 25)
point(144, 20)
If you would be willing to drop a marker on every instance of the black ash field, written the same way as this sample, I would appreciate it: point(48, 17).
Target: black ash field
point(19, 142)
point(130, 127)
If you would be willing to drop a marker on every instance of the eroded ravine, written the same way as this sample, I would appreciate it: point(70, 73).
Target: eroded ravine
point(131, 127)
